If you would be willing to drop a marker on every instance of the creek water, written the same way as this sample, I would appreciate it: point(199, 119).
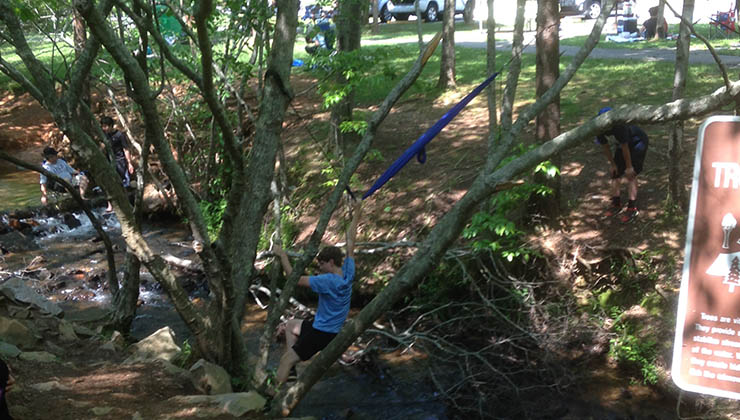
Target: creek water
point(72, 274)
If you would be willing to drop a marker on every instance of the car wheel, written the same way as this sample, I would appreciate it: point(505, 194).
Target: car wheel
point(385, 14)
point(432, 13)
point(594, 10)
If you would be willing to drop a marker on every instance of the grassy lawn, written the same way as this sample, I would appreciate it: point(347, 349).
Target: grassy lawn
point(724, 45)
point(584, 95)
point(45, 51)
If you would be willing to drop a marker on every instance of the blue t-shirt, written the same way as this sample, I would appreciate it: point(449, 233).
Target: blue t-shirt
point(334, 296)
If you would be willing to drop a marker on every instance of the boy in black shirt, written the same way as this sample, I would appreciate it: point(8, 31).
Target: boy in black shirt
point(629, 155)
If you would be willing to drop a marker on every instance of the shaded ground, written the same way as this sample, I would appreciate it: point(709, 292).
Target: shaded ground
point(403, 210)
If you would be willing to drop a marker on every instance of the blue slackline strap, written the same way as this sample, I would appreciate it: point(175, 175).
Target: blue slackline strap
point(417, 149)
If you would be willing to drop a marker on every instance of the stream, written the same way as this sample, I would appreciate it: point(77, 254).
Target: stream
point(62, 258)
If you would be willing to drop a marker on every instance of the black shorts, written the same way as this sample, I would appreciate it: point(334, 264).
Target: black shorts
point(311, 340)
point(637, 155)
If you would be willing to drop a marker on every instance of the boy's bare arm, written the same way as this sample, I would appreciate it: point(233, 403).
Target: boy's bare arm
point(287, 267)
point(352, 229)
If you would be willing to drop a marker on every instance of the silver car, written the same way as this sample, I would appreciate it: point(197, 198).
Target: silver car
point(431, 9)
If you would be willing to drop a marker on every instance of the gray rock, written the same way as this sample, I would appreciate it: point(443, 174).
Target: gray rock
point(101, 411)
point(50, 386)
point(67, 331)
point(173, 370)
point(8, 351)
point(210, 378)
point(38, 356)
point(16, 289)
point(53, 348)
point(159, 345)
point(82, 330)
point(116, 343)
point(236, 404)
point(14, 332)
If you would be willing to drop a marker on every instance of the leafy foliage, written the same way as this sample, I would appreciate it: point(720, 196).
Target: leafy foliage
point(630, 349)
point(496, 230)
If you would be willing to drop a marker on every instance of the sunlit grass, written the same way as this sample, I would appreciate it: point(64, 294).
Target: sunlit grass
point(56, 56)
point(596, 84)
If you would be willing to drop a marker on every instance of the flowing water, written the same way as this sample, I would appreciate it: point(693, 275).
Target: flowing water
point(72, 273)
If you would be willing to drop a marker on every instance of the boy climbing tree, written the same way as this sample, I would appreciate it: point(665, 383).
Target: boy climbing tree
point(305, 337)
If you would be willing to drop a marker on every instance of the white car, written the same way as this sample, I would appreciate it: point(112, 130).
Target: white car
point(431, 10)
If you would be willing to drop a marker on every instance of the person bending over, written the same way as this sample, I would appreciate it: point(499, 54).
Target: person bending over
point(59, 167)
point(304, 337)
point(628, 158)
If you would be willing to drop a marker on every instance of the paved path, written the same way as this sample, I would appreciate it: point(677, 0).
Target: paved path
point(653, 54)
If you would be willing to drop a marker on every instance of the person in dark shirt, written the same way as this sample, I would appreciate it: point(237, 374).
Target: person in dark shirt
point(651, 25)
point(628, 158)
point(120, 147)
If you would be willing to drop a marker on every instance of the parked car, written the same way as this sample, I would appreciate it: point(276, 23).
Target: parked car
point(431, 9)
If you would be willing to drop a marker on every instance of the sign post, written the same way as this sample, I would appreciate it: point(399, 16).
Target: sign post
point(706, 352)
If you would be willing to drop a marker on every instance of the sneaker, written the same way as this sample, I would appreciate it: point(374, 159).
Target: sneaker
point(612, 210)
point(629, 214)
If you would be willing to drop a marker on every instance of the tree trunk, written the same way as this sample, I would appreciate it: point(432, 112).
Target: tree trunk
point(349, 33)
point(491, 67)
point(447, 65)
point(127, 297)
point(376, 20)
point(547, 124)
point(659, 28)
point(676, 189)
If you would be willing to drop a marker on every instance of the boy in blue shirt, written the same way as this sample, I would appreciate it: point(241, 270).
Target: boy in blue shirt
point(303, 337)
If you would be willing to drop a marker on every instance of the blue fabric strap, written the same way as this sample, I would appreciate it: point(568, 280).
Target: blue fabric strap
point(417, 149)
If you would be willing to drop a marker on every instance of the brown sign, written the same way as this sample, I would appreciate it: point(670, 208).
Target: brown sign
point(706, 352)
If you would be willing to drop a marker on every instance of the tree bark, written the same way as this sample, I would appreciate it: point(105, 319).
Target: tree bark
point(447, 65)
point(659, 28)
point(349, 35)
point(547, 124)
point(676, 188)
point(491, 67)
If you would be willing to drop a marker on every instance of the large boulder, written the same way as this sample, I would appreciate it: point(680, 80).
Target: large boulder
point(38, 356)
point(8, 351)
point(15, 332)
point(210, 378)
point(236, 404)
point(16, 289)
point(159, 345)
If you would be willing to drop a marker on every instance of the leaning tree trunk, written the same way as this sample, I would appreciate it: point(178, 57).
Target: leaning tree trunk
point(547, 124)
point(447, 66)
point(676, 189)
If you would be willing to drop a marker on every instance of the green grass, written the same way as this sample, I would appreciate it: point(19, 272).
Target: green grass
point(589, 90)
point(45, 52)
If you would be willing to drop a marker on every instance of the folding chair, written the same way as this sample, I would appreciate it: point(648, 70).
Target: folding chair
point(722, 25)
